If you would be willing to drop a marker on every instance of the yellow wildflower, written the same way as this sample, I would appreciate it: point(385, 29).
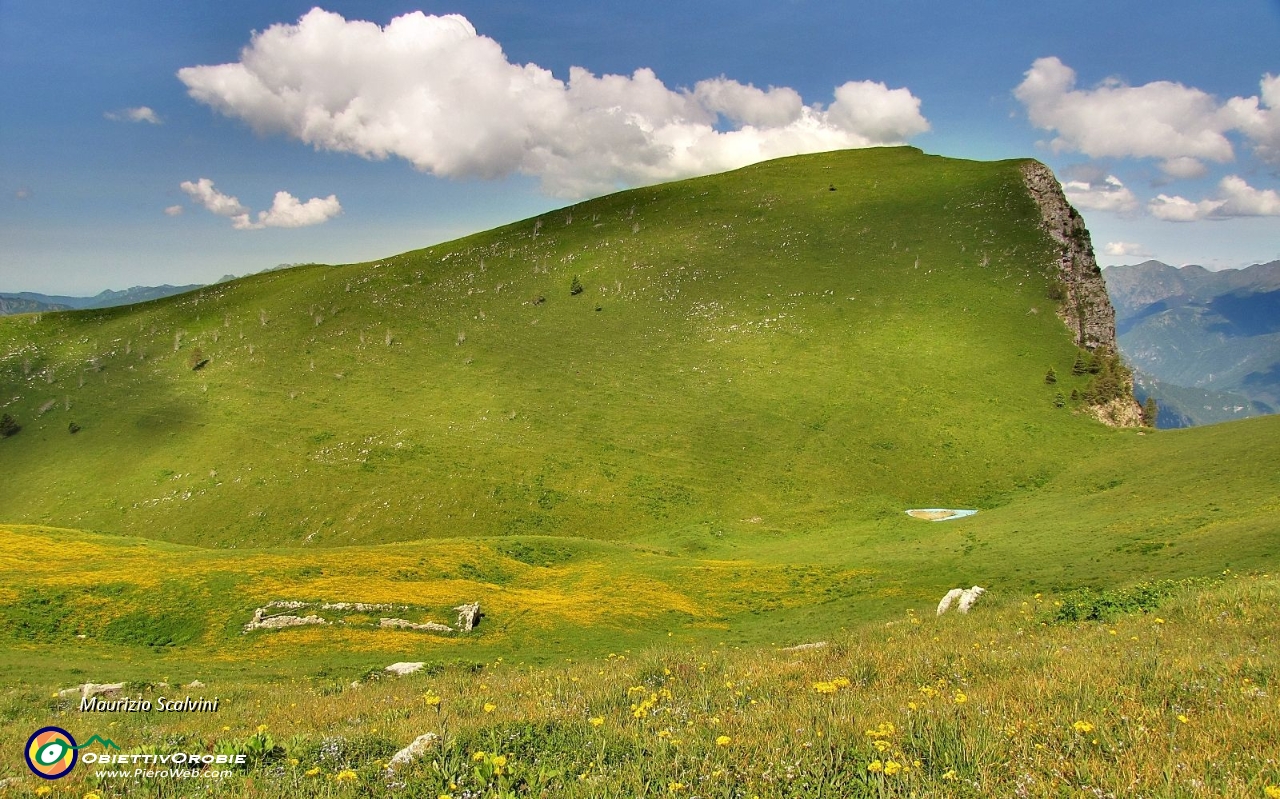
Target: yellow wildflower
point(43, 790)
point(477, 756)
point(431, 699)
point(596, 721)
point(1272, 791)
point(875, 766)
point(892, 768)
point(489, 707)
point(950, 775)
point(961, 698)
point(345, 776)
point(664, 733)
point(1183, 718)
point(311, 772)
point(92, 796)
point(1082, 727)
point(881, 745)
point(841, 682)
point(723, 740)
point(262, 728)
point(675, 787)
point(825, 687)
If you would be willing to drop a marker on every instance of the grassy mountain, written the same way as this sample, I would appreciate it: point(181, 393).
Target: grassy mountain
point(1207, 343)
point(801, 341)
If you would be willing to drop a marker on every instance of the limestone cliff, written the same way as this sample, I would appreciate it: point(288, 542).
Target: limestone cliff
point(1085, 307)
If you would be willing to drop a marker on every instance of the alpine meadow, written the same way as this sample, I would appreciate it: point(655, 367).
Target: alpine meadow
point(666, 439)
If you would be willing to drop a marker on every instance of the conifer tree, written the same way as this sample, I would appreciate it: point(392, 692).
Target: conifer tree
point(1079, 367)
point(1050, 377)
point(1150, 411)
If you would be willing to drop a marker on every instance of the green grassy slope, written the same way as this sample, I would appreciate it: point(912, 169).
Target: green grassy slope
point(753, 353)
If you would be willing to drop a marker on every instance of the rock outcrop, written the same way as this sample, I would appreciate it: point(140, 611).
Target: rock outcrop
point(405, 624)
point(468, 615)
point(412, 752)
point(259, 622)
point(1085, 306)
point(966, 597)
point(404, 668)
point(93, 689)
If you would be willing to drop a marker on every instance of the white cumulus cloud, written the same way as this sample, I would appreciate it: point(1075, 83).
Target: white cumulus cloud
point(1180, 125)
point(139, 114)
point(1235, 198)
point(285, 211)
point(1260, 118)
point(289, 211)
point(431, 90)
point(1123, 248)
point(173, 210)
point(1107, 195)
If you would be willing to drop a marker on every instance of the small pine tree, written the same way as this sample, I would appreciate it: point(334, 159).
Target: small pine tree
point(1050, 377)
point(8, 426)
point(575, 288)
point(1079, 367)
point(1096, 362)
point(1059, 401)
point(1075, 395)
point(1150, 412)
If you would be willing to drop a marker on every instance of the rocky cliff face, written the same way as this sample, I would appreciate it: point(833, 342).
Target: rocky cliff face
point(1086, 309)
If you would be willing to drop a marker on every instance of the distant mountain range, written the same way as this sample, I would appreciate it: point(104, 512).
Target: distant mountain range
point(31, 302)
point(1205, 344)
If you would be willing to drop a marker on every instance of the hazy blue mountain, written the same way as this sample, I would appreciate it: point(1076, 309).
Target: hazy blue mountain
point(32, 302)
point(1205, 344)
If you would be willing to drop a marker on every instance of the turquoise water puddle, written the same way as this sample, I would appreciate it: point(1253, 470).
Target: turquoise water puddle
point(939, 514)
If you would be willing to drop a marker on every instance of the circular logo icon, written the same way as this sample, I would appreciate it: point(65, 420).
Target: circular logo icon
point(51, 753)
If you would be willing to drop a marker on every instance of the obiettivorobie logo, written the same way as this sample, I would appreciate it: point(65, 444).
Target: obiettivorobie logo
point(52, 752)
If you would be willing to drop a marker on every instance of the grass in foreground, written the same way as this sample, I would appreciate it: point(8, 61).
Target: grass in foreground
point(1174, 698)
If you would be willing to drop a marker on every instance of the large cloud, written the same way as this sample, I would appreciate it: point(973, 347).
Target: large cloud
point(432, 91)
point(1236, 198)
point(1181, 125)
point(1107, 195)
point(286, 210)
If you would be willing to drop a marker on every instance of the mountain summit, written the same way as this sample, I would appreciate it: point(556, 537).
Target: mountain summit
point(830, 334)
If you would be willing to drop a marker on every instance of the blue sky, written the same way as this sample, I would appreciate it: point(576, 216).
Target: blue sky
point(137, 148)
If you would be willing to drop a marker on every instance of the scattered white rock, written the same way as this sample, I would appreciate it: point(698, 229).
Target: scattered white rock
point(468, 615)
point(966, 597)
point(291, 604)
point(93, 689)
point(360, 607)
point(194, 684)
point(806, 647)
point(412, 752)
point(405, 668)
point(259, 622)
point(405, 624)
